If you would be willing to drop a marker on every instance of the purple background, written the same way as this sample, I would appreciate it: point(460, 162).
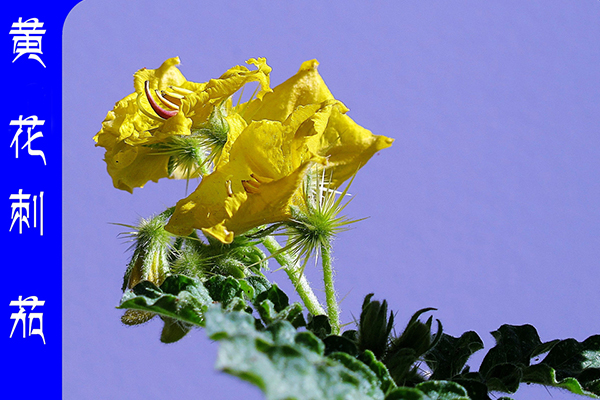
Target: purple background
point(486, 206)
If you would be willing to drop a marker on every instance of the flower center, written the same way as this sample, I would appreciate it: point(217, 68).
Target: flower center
point(253, 185)
point(170, 100)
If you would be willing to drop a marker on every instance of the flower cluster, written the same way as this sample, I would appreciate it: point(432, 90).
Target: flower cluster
point(259, 151)
point(164, 107)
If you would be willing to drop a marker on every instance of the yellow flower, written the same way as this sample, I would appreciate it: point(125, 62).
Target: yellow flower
point(264, 162)
point(164, 105)
point(346, 145)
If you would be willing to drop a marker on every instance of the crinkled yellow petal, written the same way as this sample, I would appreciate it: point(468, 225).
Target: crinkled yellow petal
point(236, 127)
point(271, 157)
point(134, 123)
point(238, 76)
point(200, 104)
point(133, 166)
point(305, 87)
point(270, 204)
point(123, 122)
point(160, 78)
point(177, 125)
point(346, 145)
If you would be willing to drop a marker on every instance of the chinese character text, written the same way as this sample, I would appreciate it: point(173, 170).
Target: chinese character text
point(32, 302)
point(28, 39)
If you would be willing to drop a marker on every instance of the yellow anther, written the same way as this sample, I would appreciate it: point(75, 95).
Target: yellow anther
point(249, 188)
point(228, 187)
point(261, 179)
point(165, 101)
point(180, 90)
point(254, 183)
point(173, 95)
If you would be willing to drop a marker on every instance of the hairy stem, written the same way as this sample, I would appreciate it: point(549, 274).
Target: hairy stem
point(333, 311)
point(295, 274)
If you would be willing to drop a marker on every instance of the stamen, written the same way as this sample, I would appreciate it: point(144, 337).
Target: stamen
point(180, 90)
point(161, 112)
point(261, 179)
point(165, 101)
point(146, 113)
point(228, 187)
point(172, 97)
point(255, 184)
point(249, 188)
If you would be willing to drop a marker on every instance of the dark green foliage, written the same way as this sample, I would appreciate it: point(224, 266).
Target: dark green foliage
point(374, 327)
point(239, 259)
point(262, 341)
point(387, 382)
point(449, 356)
point(336, 344)
point(569, 364)
point(276, 296)
point(432, 390)
point(173, 330)
point(319, 325)
point(223, 289)
point(180, 297)
point(286, 364)
point(292, 313)
point(514, 345)
point(404, 351)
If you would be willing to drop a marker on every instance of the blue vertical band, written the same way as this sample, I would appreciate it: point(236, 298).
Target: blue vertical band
point(32, 198)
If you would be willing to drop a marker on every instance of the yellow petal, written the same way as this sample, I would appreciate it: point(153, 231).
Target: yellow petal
point(161, 78)
point(199, 105)
point(305, 87)
point(133, 122)
point(123, 122)
point(236, 127)
point(346, 145)
point(133, 166)
point(274, 157)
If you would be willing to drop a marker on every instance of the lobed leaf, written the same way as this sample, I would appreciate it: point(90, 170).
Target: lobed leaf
point(179, 297)
point(286, 364)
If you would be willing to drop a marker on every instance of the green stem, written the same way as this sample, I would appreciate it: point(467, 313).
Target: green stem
point(294, 272)
point(333, 311)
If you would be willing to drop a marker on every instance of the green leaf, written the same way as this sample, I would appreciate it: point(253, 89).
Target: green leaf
point(514, 344)
point(284, 363)
point(276, 296)
point(406, 350)
point(443, 390)
point(292, 313)
point(571, 365)
point(223, 289)
point(504, 378)
point(173, 330)
point(319, 325)
point(387, 382)
point(570, 357)
point(476, 389)
point(546, 375)
point(335, 344)
point(179, 297)
point(368, 381)
point(432, 390)
point(259, 284)
point(449, 356)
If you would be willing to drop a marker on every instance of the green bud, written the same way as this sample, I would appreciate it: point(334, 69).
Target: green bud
point(214, 132)
point(151, 252)
point(374, 327)
point(406, 350)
